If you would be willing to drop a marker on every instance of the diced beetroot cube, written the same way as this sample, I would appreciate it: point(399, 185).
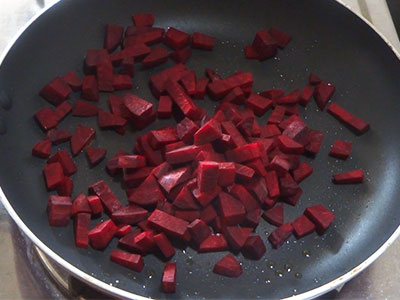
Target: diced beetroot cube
point(199, 231)
point(297, 131)
point(157, 56)
point(270, 130)
point(248, 201)
point(81, 229)
point(131, 161)
point(282, 38)
point(277, 115)
point(157, 81)
point(123, 230)
point(81, 137)
point(302, 226)
point(258, 166)
point(320, 216)
point(153, 157)
point(323, 93)
point(235, 96)
point(228, 266)
point(46, 118)
point(269, 202)
point(302, 172)
point(202, 41)
point(148, 38)
point(207, 176)
point(181, 55)
point(147, 194)
point(122, 82)
point(306, 94)
point(137, 106)
point(107, 197)
point(165, 206)
point(117, 56)
point(258, 187)
point(168, 224)
point(185, 200)
point(186, 129)
point(105, 76)
point(128, 242)
point(285, 123)
point(274, 215)
point(243, 173)
point(341, 149)
point(137, 51)
point(95, 57)
point(226, 173)
point(209, 132)
point(90, 90)
point(168, 282)
point(288, 145)
point(62, 110)
point(53, 174)
point(127, 66)
point(145, 19)
point(314, 79)
point(161, 170)
point(288, 187)
point(65, 187)
point(164, 245)
point(245, 126)
point(265, 44)
point(131, 214)
point(252, 218)
point(344, 116)
point(201, 87)
point(231, 210)
point(315, 143)
point(244, 153)
point(42, 149)
point(175, 177)
point(291, 98)
point(112, 164)
point(72, 79)
point(356, 176)
point(251, 53)
point(189, 82)
point(161, 137)
point(237, 236)
point(220, 88)
point(164, 110)
point(279, 164)
point(102, 234)
point(187, 215)
point(129, 260)
point(272, 184)
point(59, 210)
point(80, 205)
point(145, 240)
point(205, 198)
point(254, 248)
point(95, 204)
point(273, 94)
point(182, 155)
point(58, 136)
point(56, 91)
point(84, 109)
point(208, 214)
point(107, 120)
point(229, 128)
point(95, 155)
point(176, 39)
point(213, 243)
point(212, 75)
point(113, 36)
point(280, 235)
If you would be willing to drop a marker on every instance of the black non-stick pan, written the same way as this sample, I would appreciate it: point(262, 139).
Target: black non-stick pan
point(328, 39)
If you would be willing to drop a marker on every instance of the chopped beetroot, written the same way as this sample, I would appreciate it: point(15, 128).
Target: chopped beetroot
point(161, 170)
point(157, 81)
point(292, 200)
point(123, 230)
point(164, 245)
point(199, 231)
point(186, 129)
point(117, 106)
point(269, 130)
point(145, 240)
point(135, 52)
point(112, 164)
point(247, 200)
point(131, 161)
point(95, 155)
point(274, 215)
point(58, 136)
point(95, 204)
point(243, 173)
point(269, 202)
point(228, 266)
point(277, 115)
point(46, 118)
point(161, 137)
point(56, 91)
point(108, 120)
point(302, 226)
point(107, 197)
point(259, 104)
point(220, 88)
point(237, 236)
point(147, 194)
point(122, 82)
point(105, 76)
point(226, 173)
point(81, 229)
point(157, 56)
point(231, 210)
point(129, 260)
point(80, 205)
point(202, 41)
point(131, 214)
point(81, 137)
point(42, 149)
point(201, 87)
point(272, 184)
point(168, 281)
point(53, 175)
point(341, 149)
point(287, 145)
point(251, 53)
point(323, 93)
point(320, 216)
point(181, 55)
point(185, 200)
point(65, 187)
point(176, 39)
point(127, 65)
point(314, 79)
point(265, 44)
point(209, 132)
point(287, 185)
point(279, 164)
point(244, 153)
point(280, 235)
point(102, 234)
point(207, 176)
point(113, 36)
point(356, 176)
point(306, 95)
point(212, 75)
point(315, 137)
point(144, 19)
point(352, 121)
point(291, 98)
point(137, 106)
point(128, 242)
point(95, 57)
point(187, 215)
point(258, 187)
point(148, 38)
point(252, 218)
point(302, 172)
point(164, 109)
point(153, 157)
point(189, 82)
point(297, 131)
point(137, 30)
point(59, 209)
point(90, 90)
point(72, 79)
point(213, 243)
point(208, 214)
point(205, 198)
point(62, 110)
point(182, 155)
point(168, 224)
point(282, 38)
point(229, 128)
point(235, 96)
point(254, 248)
point(175, 177)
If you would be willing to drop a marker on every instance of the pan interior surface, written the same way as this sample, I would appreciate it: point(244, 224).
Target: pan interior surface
point(327, 40)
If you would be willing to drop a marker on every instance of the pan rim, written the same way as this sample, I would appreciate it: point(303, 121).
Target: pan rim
point(120, 293)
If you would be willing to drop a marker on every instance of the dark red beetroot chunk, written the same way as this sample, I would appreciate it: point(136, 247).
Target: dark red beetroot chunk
point(201, 87)
point(123, 230)
point(259, 104)
point(131, 215)
point(148, 38)
point(168, 224)
point(207, 175)
point(65, 187)
point(113, 36)
point(59, 210)
point(130, 161)
point(280, 235)
point(282, 38)
point(157, 56)
point(127, 65)
point(235, 96)
point(145, 240)
point(129, 260)
point(212, 75)
point(314, 79)
point(157, 81)
point(291, 98)
point(80, 205)
point(226, 173)
point(269, 131)
point(208, 133)
point(176, 39)
point(58, 136)
point(137, 106)
point(46, 118)
point(112, 164)
point(95, 57)
point(251, 53)
point(105, 76)
point(213, 243)
point(164, 109)
point(228, 266)
point(128, 242)
point(102, 234)
point(274, 215)
point(343, 115)
point(164, 245)
point(297, 131)
point(53, 175)
point(202, 41)
point(287, 145)
point(341, 149)
point(243, 173)
point(159, 138)
point(136, 51)
point(182, 155)
point(205, 198)
point(229, 128)
point(62, 110)
point(147, 194)
point(186, 129)
point(81, 229)
point(199, 231)
point(244, 153)
point(95, 155)
point(244, 197)
point(187, 215)
point(107, 197)
point(153, 157)
point(90, 89)
point(185, 200)
point(108, 120)
point(122, 82)
point(188, 81)
point(181, 55)
point(279, 164)
point(65, 160)
point(95, 204)
point(56, 91)
point(288, 187)
point(220, 88)
point(265, 44)
point(73, 81)
point(254, 248)
point(302, 172)
point(81, 137)
point(356, 176)
point(208, 214)
point(320, 216)
point(84, 109)
point(42, 149)
point(323, 93)
point(145, 19)
point(306, 95)
point(315, 137)
point(277, 115)
point(252, 218)
point(237, 236)
point(231, 210)
point(175, 177)
point(168, 282)
point(302, 226)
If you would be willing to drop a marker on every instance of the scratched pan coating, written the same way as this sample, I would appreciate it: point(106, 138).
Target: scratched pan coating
point(328, 40)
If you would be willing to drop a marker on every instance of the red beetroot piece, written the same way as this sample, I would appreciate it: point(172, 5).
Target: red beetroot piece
point(277, 115)
point(81, 137)
point(62, 110)
point(237, 236)
point(105, 76)
point(153, 157)
point(188, 81)
point(288, 187)
point(102, 234)
point(147, 194)
point(243, 173)
point(129, 260)
point(59, 210)
point(123, 230)
point(176, 39)
point(187, 215)
point(231, 210)
point(323, 93)
point(296, 130)
point(95, 204)
point(53, 175)
point(205, 198)
point(157, 56)
point(164, 245)
point(251, 53)
point(72, 79)
point(199, 231)
point(302, 172)
point(356, 176)
point(341, 149)
point(265, 44)
point(252, 218)
point(254, 248)
point(287, 145)
point(315, 142)
point(229, 128)
point(145, 19)
point(314, 79)
point(42, 149)
point(182, 155)
point(273, 94)
point(352, 121)
point(168, 281)
point(306, 95)
point(145, 240)
point(280, 235)
point(226, 173)
point(80, 205)
point(46, 118)
point(280, 37)
point(269, 131)
point(164, 109)
point(185, 200)
point(201, 87)
point(95, 155)
point(81, 230)
point(181, 55)
point(148, 38)
point(207, 175)
point(137, 106)
point(112, 164)
point(168, 224)
point(208, 214)
point(259, 104)
point(274, 215)
point(161, 137)
point(65, 187)
point(213, 243)
point(131, 161)
point(158, 81)
point(320, 216)
point(291, 98)
point(302, 226)
point(228, 266)
point(128, 242)
point(279, 164)
point(58, 136)
point(175, 177)
point(208, 133)
point(220, 88)
point(56, 91)
point(202, 41)
point(122, 82)
point(95, 57)
point(90, 89)
point(212, 75)
point(113, 36)
point(235, 96)
point(130, 215)
point(127, 65)
point(248, 201)
point(107, 197)
point(186, 129)
point(244, 153)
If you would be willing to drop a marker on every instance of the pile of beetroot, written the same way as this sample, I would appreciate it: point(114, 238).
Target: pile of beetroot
point(206, 181)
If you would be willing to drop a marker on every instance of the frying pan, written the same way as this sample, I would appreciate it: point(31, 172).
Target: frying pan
point(328, 40)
